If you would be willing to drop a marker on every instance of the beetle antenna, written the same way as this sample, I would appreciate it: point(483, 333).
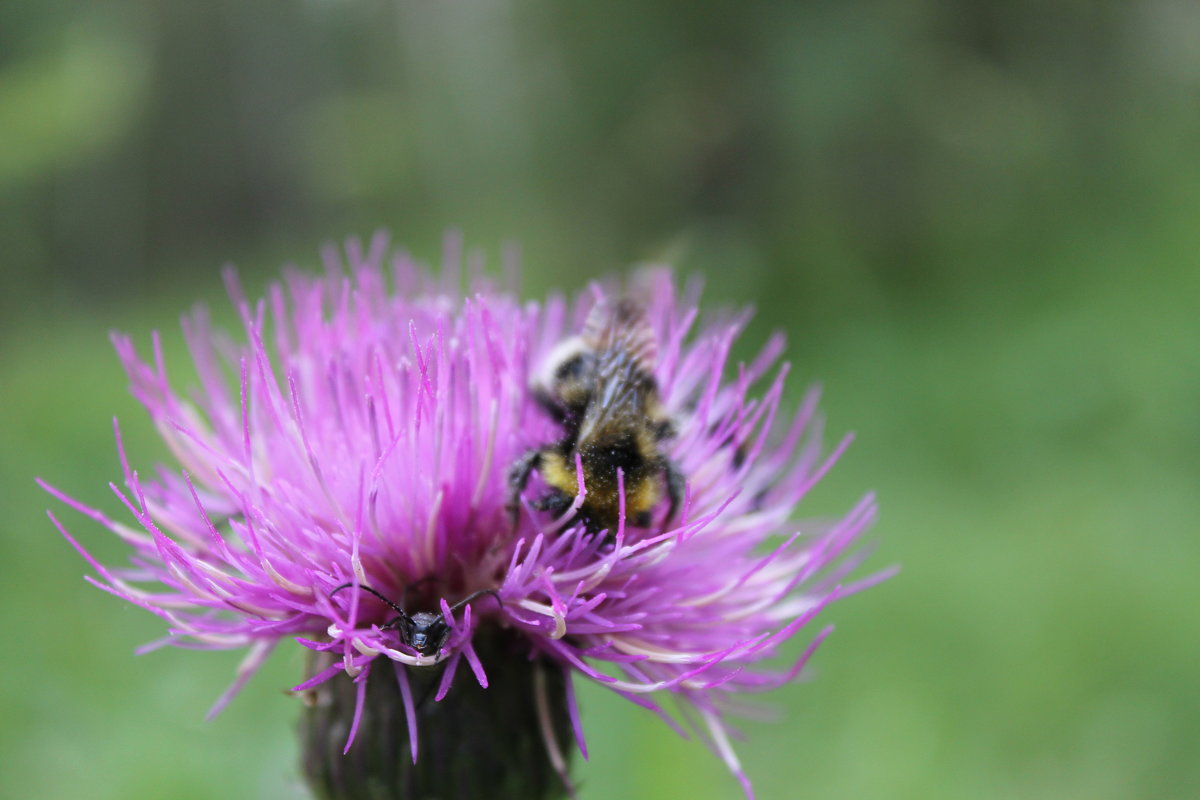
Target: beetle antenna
point(466, 600)
point(397, 608)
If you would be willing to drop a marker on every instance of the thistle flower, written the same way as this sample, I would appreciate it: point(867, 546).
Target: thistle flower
point(342, 485)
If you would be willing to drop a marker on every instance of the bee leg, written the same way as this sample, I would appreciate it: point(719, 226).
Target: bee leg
point(518, 476)
point(555, 502)
point(676, 486)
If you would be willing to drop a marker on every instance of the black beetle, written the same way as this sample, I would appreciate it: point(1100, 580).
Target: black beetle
point(423, 631)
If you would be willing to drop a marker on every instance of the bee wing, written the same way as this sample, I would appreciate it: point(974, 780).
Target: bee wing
point(619, 331)
point(626, 349)
point(618, 403)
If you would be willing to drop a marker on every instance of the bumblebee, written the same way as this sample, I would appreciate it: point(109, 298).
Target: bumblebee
point(600, 387)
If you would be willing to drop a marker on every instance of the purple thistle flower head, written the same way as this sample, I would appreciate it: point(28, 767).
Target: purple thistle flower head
point(344, 483)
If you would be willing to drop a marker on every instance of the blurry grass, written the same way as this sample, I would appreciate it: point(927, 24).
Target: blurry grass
point(1035, 465)
point(978, 224)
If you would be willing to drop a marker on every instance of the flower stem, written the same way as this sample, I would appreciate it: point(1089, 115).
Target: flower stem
point(476, 744)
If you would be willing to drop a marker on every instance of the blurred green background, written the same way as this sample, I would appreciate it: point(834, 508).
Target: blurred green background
point(977, 223)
